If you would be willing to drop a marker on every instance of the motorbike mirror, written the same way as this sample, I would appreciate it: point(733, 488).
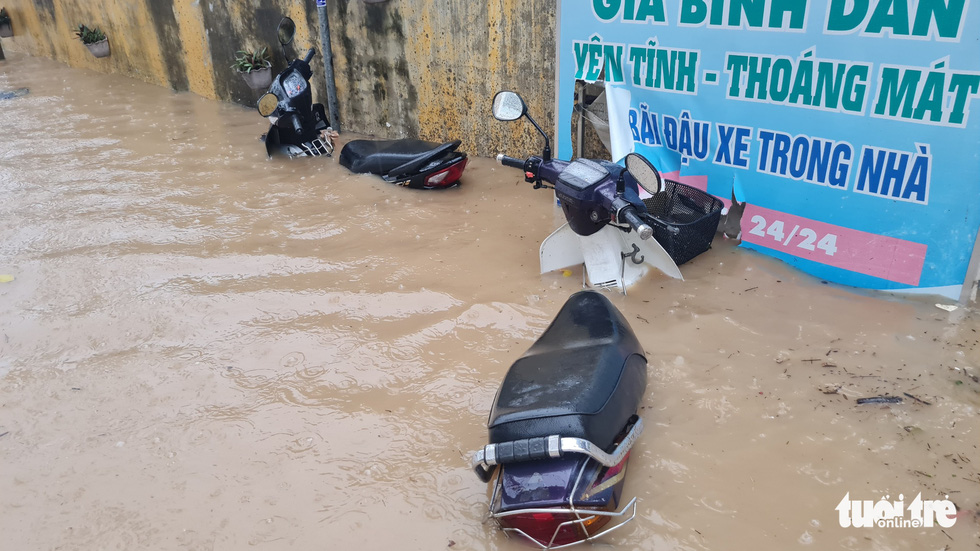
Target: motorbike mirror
point(286, 31)
point(508, 106)
point(644, 172)
point(267, 104)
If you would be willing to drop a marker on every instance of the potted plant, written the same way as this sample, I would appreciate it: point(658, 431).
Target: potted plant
point(94, 39)
point(6, 30)
point(255, 68)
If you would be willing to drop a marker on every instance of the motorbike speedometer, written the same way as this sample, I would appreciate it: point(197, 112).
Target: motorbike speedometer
point(294, 84)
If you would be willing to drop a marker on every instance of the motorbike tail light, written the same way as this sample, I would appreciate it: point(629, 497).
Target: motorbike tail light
point(445, 177)
point(555, 529)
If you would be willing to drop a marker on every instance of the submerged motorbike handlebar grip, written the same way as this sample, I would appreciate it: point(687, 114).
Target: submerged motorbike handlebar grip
point(309, 55)
point(297, 125)
point(643, 229)
point(510, 161)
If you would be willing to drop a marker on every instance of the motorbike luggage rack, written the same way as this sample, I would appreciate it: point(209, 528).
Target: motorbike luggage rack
point(486, 460)
point(582, 516)
point(317, 147)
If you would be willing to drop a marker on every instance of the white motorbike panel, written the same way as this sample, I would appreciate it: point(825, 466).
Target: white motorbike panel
point(603, 252)
point(653, 254)
point(612, 257)
point(560, 250)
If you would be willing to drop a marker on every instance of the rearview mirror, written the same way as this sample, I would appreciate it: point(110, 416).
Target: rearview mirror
point(644, 173)
point(267, 104)
point(286, 31)
point(508, 106)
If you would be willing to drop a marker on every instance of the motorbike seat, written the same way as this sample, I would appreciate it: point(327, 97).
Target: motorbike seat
point(391, 157)
point(583, 378)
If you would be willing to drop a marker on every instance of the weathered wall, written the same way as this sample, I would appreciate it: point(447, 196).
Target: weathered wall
point(425, 68)
point(431, 67)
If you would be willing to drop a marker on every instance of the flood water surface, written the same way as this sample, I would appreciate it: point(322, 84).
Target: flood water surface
point(202, 348)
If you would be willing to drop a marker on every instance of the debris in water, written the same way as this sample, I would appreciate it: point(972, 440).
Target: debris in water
point(11, 94)
point(880, 400)
point(917, 399)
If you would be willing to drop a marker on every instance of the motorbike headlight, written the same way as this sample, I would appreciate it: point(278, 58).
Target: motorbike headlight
point(294, 84)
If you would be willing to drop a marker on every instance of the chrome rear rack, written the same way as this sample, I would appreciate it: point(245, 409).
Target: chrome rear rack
point(485, 460)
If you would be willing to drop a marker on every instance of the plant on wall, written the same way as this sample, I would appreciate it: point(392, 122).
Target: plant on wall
point(94, 39)
point(88, 35)
point(255, 68)
point(248, 61)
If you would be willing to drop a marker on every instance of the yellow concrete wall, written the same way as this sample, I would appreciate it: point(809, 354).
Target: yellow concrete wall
point(422, 68)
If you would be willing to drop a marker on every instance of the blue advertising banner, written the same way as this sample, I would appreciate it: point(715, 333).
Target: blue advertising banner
point(844, 125)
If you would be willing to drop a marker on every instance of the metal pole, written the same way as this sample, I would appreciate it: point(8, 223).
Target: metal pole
point(332, 108)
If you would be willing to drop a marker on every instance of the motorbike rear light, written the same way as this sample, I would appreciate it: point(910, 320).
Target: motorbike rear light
point(555, 529)
point(446, 177)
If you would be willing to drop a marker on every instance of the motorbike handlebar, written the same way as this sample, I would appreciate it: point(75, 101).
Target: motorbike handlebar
point(510, 161)
point(628, 215)
point(297, 125)
point(309, 55)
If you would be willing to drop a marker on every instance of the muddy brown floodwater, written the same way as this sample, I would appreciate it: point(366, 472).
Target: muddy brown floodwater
point(205, 349)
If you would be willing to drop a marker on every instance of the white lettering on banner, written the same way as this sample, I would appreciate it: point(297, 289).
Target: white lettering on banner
point(827, 243)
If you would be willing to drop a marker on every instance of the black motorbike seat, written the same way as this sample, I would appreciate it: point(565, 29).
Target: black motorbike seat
point(384, 156)
point(583, 378)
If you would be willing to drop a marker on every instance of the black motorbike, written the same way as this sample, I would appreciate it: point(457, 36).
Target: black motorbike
point(298, 126)
point(562, 427)
point(412, 163)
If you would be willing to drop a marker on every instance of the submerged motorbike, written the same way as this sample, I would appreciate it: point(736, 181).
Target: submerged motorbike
point(562, 426)
point(411, 163)
point(608, 227)
point(298, 127)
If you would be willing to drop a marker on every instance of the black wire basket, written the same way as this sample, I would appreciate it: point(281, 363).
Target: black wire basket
point(684, 220)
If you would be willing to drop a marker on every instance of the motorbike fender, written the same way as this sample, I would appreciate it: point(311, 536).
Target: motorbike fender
point(612, 257)
point(652, 253)
point(560, 250)
point(272, 140)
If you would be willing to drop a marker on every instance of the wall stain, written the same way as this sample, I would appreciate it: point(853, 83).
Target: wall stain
point(168, 33)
